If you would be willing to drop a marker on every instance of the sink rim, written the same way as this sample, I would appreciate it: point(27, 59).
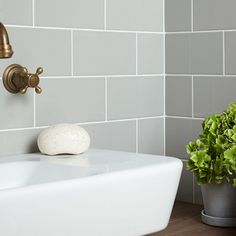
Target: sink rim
point(107, 170)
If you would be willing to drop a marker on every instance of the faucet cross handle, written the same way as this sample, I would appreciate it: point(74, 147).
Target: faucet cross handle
point(32, 80)
point(17, 79)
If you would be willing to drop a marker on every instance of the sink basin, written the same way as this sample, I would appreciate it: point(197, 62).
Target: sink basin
point(16, 174)
point(22, 173)
point(99, 193)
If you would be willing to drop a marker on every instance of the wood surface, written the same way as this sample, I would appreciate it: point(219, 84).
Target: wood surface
point(186, 221)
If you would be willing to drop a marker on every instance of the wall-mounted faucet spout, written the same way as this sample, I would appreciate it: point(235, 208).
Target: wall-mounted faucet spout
point(5, 47)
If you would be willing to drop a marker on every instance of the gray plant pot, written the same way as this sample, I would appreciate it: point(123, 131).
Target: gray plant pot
point(219, 204)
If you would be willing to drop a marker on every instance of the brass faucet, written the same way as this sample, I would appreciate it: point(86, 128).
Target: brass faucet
point(16, 78)
point(5, 47)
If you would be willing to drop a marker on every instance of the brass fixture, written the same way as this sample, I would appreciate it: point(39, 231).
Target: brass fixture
point(16, 79)
point(5, 47)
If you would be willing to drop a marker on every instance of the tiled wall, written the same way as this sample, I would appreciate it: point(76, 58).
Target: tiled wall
point(200, 72)
point(103, 66)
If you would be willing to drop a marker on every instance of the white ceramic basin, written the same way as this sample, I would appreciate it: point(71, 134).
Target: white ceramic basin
point(23, 173)
point(16, 174)
point(99, 193)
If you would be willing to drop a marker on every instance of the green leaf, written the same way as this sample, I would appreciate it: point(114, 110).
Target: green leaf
point(234, 181)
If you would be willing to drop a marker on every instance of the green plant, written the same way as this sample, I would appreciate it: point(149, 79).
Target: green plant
point(213, 155)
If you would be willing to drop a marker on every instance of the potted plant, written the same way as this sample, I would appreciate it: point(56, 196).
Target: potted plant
point(213, 161)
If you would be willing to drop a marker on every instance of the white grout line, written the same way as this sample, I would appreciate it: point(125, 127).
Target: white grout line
point(101, 122)
point(164, 84)
point(22, 129)
point(34, 97)
point(164, 121)
point(71, 77)
point(136, 53)
point(87, 123)
point(164, 135)
point(97, 76)
point(118, 120)
point(164, 71)
point(105, 15)
point(83, 29)
point(228, 76)
point(192, 88)
point(106, 101)
point(200, 31)
point(199, 75)
point(118, 31)
point(185, 117)
point(33, 13)
point(136, 118)
point(202, 75)
point(150, 117)
point(46, 27)
point(72, 52)
point(163, 17)
point(182, 75)
point(223, 53)
point(192, 15)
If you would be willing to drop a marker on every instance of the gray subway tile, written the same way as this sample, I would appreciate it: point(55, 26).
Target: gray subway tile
point(150, 54)
point(70, 100)
point(196, 53)
point(104, 53)
point(113, 135)
point(214, 14)
point(16, 12)
point(179, 132)
point(151, 136)
point(74, 14)
point(40, 47)
point(213, 94)
point(177, 15)
point(18, 141)
point(132, 97)
point(179, 95)
point(135, 15)
point(177, 50)
point(17, 110)
point(230, 53)
point(207, 53)
point(185, 190)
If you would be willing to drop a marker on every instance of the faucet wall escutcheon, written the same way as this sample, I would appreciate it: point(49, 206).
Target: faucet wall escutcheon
point(17, 79)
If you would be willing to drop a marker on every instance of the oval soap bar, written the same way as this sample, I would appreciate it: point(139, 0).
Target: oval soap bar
point(63, 139)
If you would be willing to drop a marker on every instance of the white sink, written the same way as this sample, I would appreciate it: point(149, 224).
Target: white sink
point(22, 173)
point(99, 193)
point(16, 174)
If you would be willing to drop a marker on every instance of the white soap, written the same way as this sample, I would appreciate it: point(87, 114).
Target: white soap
point(63, 139)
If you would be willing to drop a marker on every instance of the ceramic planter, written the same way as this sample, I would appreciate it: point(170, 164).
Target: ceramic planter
point(220, 204)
